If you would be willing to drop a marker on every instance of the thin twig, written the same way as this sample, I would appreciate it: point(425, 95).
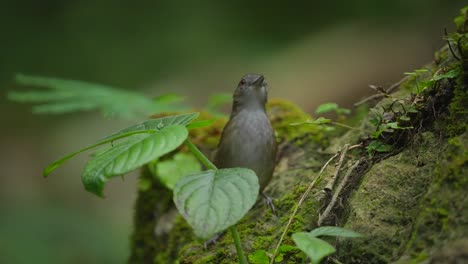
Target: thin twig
point(306, 193)
point(332, 203)
point(382, 94)
point(450, 45)
point(332, 180)
point(397, 84)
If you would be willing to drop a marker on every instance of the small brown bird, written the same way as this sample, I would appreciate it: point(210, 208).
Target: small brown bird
point(248, 139)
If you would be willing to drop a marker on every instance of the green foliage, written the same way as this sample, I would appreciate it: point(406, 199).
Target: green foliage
point(325, 122)
point(315, 248)
point(170, 171)
point(460, 21)
point(387, 127)
point(333, 231)
point(214, 200)
point(130, 154)
point(146, 127)
point(378, 146)
point(332, 107)
point(201, 123)
point(57, 96)
point(259, 257)
point(423, 81)
point(284, 249)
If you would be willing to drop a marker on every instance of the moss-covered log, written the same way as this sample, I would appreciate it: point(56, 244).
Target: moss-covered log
point(408, 198)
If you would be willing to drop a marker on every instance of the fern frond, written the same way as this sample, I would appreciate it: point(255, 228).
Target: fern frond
point(65, 96)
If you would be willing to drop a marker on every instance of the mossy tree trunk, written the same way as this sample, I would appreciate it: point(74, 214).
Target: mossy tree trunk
point(409, 200)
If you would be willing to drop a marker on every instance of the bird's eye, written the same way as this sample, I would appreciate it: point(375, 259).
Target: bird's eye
point(242, 82)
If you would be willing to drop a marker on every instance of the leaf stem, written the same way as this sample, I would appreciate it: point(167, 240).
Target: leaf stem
point(200, 156)
point(240, 253)
point(235, 235)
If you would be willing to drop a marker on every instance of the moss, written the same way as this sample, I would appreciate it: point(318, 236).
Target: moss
point(444, 205)
point(283, 113)
point(458, 109)
point(385, 202)
point(144, 244)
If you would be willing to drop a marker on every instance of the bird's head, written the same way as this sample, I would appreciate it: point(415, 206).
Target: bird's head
point(251, 92)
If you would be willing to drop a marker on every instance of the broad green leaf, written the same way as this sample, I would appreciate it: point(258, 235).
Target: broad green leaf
point(51, 167)
point(259, 257)
point(333, 231)
point(213, 200)
point(327, 107)
point(315, 248)
point(201, 123)
point(128, 155)
point(57, 96)
point(170, 171)
point(149, 126)
point(158, 123)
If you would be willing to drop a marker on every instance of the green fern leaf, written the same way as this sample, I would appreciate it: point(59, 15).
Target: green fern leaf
point(58, 96)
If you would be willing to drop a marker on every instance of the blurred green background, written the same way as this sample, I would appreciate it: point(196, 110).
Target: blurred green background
point(311, 52)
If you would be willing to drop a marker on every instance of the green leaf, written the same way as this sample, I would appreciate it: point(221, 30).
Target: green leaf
point(131, 154)
point(171, 170)
point(405, 118)
point(54, 165)
point(379, 147)
point(327, 107)
point(259, 257)
point(286, 248)
point(57, 96)
point(201, 123)
point(333, 231)
point(315, 248)
point(158, 123)
point(149, 126)
point(214, 200)
point(448, 75)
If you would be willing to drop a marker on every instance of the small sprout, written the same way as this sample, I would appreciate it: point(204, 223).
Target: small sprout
point(316, 248)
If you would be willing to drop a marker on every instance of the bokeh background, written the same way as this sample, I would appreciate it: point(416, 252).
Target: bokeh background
point(311, 52)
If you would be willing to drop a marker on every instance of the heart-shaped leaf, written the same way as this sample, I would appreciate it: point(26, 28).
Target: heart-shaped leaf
point(171, 170)
point(333, 231)
point(315, 248)
point(131, 154)
point(146, 127)
point(214, 200)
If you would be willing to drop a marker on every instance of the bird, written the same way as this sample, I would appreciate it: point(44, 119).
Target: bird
point(248, 138)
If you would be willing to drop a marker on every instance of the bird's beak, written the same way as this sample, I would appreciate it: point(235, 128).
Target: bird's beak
point(259, 81)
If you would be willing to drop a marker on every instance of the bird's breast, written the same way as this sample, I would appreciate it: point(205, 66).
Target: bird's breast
point(248, 141)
